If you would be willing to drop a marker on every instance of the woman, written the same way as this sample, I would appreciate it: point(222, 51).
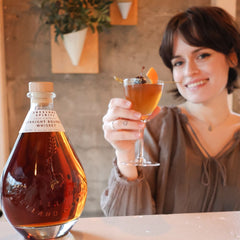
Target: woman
point(198, 142)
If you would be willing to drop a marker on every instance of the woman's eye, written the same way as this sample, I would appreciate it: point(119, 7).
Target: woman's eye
point(203, 55)
point(177, 63)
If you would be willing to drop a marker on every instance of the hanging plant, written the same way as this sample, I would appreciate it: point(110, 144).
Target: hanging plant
point(73, 15)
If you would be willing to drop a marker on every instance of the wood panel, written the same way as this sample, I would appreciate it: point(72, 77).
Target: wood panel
point(89, 61)
point(116, 18)
point(4, 139)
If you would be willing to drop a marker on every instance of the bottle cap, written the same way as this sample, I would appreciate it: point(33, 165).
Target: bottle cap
point(40, 87)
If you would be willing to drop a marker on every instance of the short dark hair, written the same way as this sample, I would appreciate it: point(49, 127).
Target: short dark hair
point(209, 27)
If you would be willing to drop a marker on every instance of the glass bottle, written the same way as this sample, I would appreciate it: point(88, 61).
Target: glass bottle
point(43, 185)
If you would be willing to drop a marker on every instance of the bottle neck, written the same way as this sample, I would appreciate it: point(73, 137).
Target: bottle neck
point(41, 100)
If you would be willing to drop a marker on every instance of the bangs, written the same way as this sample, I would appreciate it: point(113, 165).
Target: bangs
point(192, 33)
point(209, 27)
point(203, 31)
point(198, 29)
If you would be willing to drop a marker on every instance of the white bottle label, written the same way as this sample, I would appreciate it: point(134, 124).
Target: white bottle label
point(42, 121)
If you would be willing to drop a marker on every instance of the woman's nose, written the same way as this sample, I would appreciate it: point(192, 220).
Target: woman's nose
point(191, 68)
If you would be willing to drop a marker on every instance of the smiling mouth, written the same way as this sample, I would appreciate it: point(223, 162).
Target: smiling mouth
point(196, 84)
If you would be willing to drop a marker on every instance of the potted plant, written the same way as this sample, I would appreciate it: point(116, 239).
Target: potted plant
point(72, 18)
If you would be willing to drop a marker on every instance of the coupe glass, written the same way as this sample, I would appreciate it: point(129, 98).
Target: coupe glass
point(144, 98)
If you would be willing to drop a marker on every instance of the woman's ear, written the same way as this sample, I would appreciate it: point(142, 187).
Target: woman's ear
point(232, 59)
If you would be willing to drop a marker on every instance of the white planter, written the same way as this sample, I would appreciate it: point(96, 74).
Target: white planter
point(124, 8)
point(73, 43)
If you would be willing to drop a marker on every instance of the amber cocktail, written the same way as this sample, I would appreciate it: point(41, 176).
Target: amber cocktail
point(144, 97)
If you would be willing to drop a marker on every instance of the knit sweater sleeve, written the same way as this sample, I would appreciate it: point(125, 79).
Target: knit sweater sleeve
point(124, 198)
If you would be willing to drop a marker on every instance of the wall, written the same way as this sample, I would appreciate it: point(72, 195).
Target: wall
point(82, 99)
point(4, 145)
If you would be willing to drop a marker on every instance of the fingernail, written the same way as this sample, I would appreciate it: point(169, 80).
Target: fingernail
point(137, 115)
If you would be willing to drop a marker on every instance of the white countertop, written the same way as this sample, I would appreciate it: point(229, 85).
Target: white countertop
point(207, 226)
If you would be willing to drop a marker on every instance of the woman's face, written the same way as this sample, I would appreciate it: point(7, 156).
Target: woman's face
point(202, 72)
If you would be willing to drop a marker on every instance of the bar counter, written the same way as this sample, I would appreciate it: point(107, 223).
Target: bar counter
point(220, 226)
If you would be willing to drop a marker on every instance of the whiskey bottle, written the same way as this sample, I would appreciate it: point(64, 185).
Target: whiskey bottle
point(43, 185)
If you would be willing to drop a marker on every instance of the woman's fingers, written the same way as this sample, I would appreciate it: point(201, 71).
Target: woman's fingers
point(117, 112)
point(115, 136)
point(121, 124)
point(122, 129)
point(120, 108)
point(119, 102)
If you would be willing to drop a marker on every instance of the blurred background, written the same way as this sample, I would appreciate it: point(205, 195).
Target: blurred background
point(82, 99)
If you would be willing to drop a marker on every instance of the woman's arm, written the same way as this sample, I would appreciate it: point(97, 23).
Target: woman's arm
point(123, 197)
point(127, 195)
point(134, 197)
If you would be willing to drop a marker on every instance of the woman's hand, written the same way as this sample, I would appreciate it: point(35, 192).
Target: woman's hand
point(121, 126)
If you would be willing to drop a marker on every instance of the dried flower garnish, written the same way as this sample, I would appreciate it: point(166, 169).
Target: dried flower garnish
point(139, 79)
point(120, 80)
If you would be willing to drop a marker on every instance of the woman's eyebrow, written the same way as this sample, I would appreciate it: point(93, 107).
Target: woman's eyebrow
point(194, 51)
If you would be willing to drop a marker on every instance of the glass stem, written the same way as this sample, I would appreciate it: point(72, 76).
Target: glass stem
point(140, 156)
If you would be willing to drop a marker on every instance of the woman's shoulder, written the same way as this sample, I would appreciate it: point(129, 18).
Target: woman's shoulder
point(235, 121)
point(235, 116)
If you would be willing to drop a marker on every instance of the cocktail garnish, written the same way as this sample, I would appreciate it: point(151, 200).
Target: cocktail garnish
point(152, 75)
point(140, 80)
point(120, 80)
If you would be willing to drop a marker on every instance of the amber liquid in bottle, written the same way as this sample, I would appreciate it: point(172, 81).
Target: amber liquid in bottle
point(43, 185)
point(44, 181)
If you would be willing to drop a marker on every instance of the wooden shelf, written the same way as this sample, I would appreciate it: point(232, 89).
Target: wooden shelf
point(116, 18)
point(89, 61)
